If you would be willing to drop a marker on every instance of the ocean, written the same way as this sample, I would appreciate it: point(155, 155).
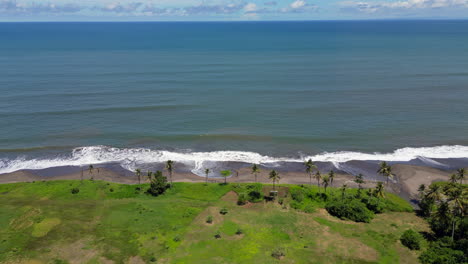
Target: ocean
point(73, 94)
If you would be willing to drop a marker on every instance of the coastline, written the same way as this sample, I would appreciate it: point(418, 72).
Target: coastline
point(405, 183)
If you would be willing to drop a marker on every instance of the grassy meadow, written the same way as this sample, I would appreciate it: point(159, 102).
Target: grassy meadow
point(44, 222)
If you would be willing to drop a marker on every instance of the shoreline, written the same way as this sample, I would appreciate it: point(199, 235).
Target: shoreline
point(405, 183)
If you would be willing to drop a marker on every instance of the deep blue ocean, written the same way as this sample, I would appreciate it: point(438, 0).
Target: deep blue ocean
point(79, 93)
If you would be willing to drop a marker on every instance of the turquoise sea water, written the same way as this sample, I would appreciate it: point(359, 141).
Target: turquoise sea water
point(280, 89)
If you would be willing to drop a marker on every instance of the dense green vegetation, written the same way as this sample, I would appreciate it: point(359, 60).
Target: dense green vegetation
point(193, 223)
point(445, 206)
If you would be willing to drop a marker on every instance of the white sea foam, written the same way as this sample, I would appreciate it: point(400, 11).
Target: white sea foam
point(131, 158)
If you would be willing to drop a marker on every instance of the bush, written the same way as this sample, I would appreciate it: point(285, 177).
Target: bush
point(242, 199)
point(158, 184)
point(297, 195)
point(209, 219)
point(223, 211)
point(255, 196)
point(374, 204)
point(75, 190)
point(442, 252)
point(217, 235)
point(309, 208)
point(278, 253)
point(350, 209)
point(411, 239)
point(239, 231)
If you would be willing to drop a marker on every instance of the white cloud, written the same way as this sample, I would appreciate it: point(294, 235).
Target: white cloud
point(373, 7)
point(298, 4)
point(250, 7)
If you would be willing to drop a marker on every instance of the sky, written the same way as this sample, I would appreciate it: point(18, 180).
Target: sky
point(229, 10)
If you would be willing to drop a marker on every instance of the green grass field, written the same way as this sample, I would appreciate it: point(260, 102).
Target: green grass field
point(43, 222)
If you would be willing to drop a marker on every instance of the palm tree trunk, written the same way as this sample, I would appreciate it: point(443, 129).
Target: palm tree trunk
point(274, 185)
point(206, 179)
point(255, 177)
point(225, 180)
point(310, 176)
point(453, 228)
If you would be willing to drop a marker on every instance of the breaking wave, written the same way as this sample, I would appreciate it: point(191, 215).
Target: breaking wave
point(131, 158)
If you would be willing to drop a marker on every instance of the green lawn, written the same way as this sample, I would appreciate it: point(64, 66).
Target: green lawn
point(43, 222)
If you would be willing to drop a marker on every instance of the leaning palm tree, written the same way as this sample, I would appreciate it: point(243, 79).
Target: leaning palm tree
point(138, 174)
point(274, 176)
point(331, 174)
point(255, 171)
point(310, 167)
point(318, 177)
point(461, 174)
point(379, 190)
point(325, 182)
point(207, 171)
point(170, 168)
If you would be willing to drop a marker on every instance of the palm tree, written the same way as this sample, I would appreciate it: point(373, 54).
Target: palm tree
point(225, 174)
point(331, 174)
point(421, 190)
point(325, 182)
point(461, 174)
point(207, 171)
point(318, 177)
point(454, 178)
point(310, 167)
point(170, 167)
point(343, 191)
point(385, 170)
point(435, 193)
point(90, 169)
point(274, 176)
point(456, 202)
point(255, 171)
point(359, 180)
point(138, 174)
point(149, 175)
point(379, 190)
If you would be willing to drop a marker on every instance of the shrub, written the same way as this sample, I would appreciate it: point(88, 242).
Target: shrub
point(111, 190)
point(217, 235)
point(75, 190)
point(176, 238)
point(242, 199)
point(223, 211)
point(158, 184)
point(374, 204)
point(209, 219)
point(297, 195)
point(255, 196)
point(441, 252)
point(309, 208)
point(350, 209)
point(239, 231)
point(411, 239)
point(153, 259)
point(278, 253)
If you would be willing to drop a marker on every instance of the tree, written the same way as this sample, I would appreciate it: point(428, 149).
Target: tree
point(138, 174)
point(207, 171)
point(310, 167)
point(385, 170)
point(255, 171)
point(379, 190)
point(331, 174)
point(170, 168)
point(149, 175)
point(456, 203)
point(435, 193)
point(318, 177)
point(225, 174)
point(325, 182)
point(421, 190)
point(90, 169)
point(454, 178)
point(343, 191)
point(274, 176)
point(359, 179)
point(158, 184)
point(461, 174)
